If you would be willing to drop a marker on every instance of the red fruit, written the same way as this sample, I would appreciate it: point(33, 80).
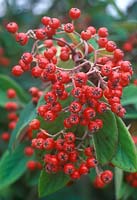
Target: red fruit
point(68, 147)
point(80, 79)
point(34, 124)
point(28, 151)
point(36, 71)
point(69, 168)
point(89, 151)
point(70, 137)
point(49, 116)
point(91, 162)
point(49, 144)
point(92, 29)
point(102, 41)
point(106, 176)
point(11, 106)
point(69, 27)
point(17, 70)
point(74, 13)
point(11, 93)
point(110, 46)
point(27, 57)
point(86, 35)
point(89, 113)
point(98, 183)
point(93, 126)
point(54, 23)
point(45, 20)
point(34, 91)
point(22, 38)
point(102, 32)
point(5, 136)
point(50, 97)
point(12, 27)
point(62, 157)
point(106, 70)
point(83, 170)
point(127, 46)
point(31, 165)
point(75, 107)
point(59, 145)
point(40, 34)
point(75, 175)
point(73, 156)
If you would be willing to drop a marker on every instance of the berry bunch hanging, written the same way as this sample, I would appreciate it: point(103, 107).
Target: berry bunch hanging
point(82, 76)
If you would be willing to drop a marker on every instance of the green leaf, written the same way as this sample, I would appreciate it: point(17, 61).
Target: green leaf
point(118, 182)
point(26, 116)
point(106, 139)
point(50, 183)
point(126, 154)
point(125, 191)
point(5, 84)
point(12, 166)
point(129, 95)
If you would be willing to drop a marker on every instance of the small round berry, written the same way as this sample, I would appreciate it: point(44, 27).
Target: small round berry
point(31, 165)
point(34, 124)
point(69, 27)
point(69, 168)
point(75, 175)
point(86, 35)
point(17, 70)
point(11, 93)
point(12, 27)
point(102, 32)
point(106, 176)
point(74, 13)
point(22, 38)
point(70, 137)
point(5, 136)
point(27, 57)
point(28, 151)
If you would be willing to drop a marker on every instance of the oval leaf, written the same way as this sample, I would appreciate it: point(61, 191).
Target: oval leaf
point(50, 183)
point(126, 155)
point(106, 139)
point(12, 166)
point(129, 95)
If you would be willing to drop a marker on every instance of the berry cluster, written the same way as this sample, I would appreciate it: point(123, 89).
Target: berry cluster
point(131, 178)
point(91, 84)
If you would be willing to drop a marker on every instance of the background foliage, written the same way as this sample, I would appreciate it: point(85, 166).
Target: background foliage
point(122, 27)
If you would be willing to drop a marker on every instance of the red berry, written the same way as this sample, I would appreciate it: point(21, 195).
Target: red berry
point(28, 151)
point(69, 27)
point(49, 144)
point(5, 136)
point(102, 32)
point(22, 38)
point(34, 124)
point(11, 93)
point(74, 13)
point(106, 176)
point(86, 35)
point(70, 137)
point(27, 57)
point(17, 70)
point(12, 27)
point(31, 165)
point(69, 169)
point(75, 175)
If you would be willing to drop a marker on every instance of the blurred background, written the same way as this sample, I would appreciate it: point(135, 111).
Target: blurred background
point(120, 17)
